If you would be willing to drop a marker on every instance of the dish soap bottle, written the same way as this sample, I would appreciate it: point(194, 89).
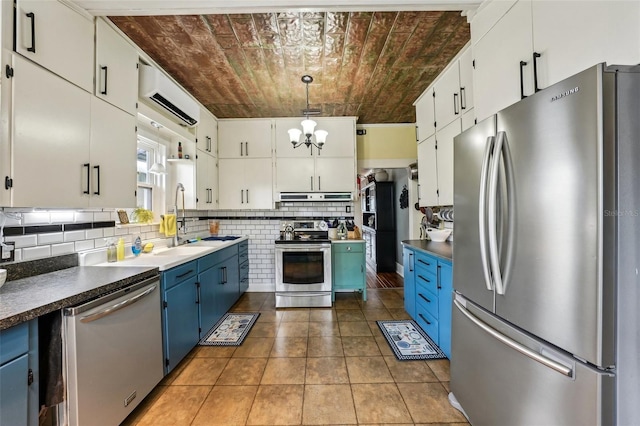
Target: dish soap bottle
point(111, 252)
point(137, 246)
point(120, 249)
point(179, 149)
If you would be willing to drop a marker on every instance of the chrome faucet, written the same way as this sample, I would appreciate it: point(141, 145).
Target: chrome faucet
point(176, 240)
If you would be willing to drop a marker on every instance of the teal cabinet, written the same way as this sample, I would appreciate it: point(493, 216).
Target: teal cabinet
point(348, 267)
point(243, 265)
point(19, 374)
point(180, 313)
point(428, 296)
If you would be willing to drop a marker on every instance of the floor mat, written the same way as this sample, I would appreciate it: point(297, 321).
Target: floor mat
point(230, 330)
point(408, 341)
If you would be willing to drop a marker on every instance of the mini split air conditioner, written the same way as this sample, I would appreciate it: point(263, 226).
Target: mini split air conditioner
point(157, 87)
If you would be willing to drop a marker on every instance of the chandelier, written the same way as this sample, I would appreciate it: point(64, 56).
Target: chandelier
point(308, 126)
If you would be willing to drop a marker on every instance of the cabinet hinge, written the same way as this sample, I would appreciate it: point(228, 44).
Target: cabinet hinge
point(136, 105)
point(137, 65)
point(473, 64)
point(165, 304)
point(8, 182)
point(437, 192)
point(434, 94)
point(196, 140)
point(434, 124)
point(136, 129)
point(166, 362)
point(30, 377)
point(475, 121)
point(8, 70)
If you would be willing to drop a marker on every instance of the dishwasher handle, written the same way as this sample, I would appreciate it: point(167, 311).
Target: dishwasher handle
point(121, 305)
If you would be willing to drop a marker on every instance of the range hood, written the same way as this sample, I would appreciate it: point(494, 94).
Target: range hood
point(315, 196)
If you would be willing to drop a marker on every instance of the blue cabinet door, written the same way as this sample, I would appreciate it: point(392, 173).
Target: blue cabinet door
point(14, 392)
point(180, 321)
point(408, 261)
point(445, 299)
point(229, 283)
point(209, 313)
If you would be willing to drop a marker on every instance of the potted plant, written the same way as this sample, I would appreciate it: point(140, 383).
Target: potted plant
point(142, 215)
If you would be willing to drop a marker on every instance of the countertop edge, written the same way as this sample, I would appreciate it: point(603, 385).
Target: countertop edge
point(21, 288)
point(443, 250)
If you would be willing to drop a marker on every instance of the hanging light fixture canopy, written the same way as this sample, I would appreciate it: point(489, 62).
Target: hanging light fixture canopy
point(157, 168)
point(308, 126)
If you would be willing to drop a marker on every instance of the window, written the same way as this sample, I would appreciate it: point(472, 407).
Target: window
point(147, 154)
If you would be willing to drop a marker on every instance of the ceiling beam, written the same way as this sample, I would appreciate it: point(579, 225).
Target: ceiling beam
point(206, 7)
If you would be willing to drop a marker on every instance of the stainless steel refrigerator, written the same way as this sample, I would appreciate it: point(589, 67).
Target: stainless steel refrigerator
point(546, 317)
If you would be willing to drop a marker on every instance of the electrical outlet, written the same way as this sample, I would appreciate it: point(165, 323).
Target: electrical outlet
point(7, 252)
point(348, 209)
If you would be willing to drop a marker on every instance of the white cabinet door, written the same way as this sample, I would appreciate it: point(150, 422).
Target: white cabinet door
point(245, 184)
point(112, 151)
point(335, 175)
point(116, 69)
point(249, 138)
point(51, 130)
point(428, 172)
point(496, 77)
point(259, 183)
point(425, 115)
point(295, 175)
point(341, 141)
point(284, 148)
point(447, 100)
point(58, 38)
point(207, 131)
point(466, 81)
point(444, 158)
point(598, 31)
point(468, 119)
point(206, 182)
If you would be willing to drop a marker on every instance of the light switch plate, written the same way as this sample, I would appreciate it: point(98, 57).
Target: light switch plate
point(7, 254)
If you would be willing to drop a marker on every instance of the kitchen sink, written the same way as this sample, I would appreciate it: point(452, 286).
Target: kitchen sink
point(183, 251)
point(222, 238)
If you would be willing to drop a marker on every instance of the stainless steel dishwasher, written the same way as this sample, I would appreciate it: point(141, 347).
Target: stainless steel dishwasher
point(113, 354)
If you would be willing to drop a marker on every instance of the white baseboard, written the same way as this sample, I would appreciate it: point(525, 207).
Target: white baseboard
point(400, 269)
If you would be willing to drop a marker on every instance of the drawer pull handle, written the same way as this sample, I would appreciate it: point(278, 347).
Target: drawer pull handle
point(425, 320)
point(423, 262)
point(185, 274)
point(424, 279)
point(421, 295)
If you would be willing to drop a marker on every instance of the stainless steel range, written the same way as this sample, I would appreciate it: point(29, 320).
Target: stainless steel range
point(303, 265)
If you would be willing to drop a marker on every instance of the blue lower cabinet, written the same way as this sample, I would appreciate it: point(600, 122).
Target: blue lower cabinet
point(348, 267)
point(180, 321)
point(428, 295)
point(19, 388)
point(209, 313)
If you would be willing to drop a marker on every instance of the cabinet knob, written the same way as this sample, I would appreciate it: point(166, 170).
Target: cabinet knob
point(349, 248)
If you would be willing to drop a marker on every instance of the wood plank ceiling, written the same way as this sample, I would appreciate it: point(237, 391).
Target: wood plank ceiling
point(373, 65)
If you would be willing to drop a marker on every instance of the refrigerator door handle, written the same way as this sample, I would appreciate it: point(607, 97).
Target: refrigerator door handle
point(482, 212)
point(547, 362)
point(494, 256)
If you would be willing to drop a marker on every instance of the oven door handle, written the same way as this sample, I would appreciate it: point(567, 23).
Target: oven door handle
point(301, 293)
point(121, 305)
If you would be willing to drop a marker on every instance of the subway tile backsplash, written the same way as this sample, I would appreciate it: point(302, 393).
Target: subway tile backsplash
point(40, 235)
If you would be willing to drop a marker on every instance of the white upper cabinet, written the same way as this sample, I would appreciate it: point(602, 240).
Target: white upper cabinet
point(206, 182)
point(465, 64)
point(315, 175)
point(207, 132)
point(111, 153)
point(69, 149)
point(597, 31)
point(246, 184)
point(116, 69)
point(428, 175)
point(58, 38)
point(240, 138)
point(444, 141)
point(336, 174)
point(447, 99)
point(295, 175)
point(340, 141)
point(532, 45)
point(425, 115)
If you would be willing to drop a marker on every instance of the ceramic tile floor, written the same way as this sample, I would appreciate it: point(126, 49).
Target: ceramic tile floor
point(305, 367)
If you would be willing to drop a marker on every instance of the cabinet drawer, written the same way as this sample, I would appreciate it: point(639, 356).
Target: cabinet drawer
point(243, 256)
point(426, 301)
point(428, 324)
point(207, 261)
point(426, 279)
point(14, 342)
point(179, 274)
point(348, 247)
point(426, 262)
point(244, 270)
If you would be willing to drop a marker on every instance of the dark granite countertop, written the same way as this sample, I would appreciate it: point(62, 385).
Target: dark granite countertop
point(28, 298)
point(443, 250)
